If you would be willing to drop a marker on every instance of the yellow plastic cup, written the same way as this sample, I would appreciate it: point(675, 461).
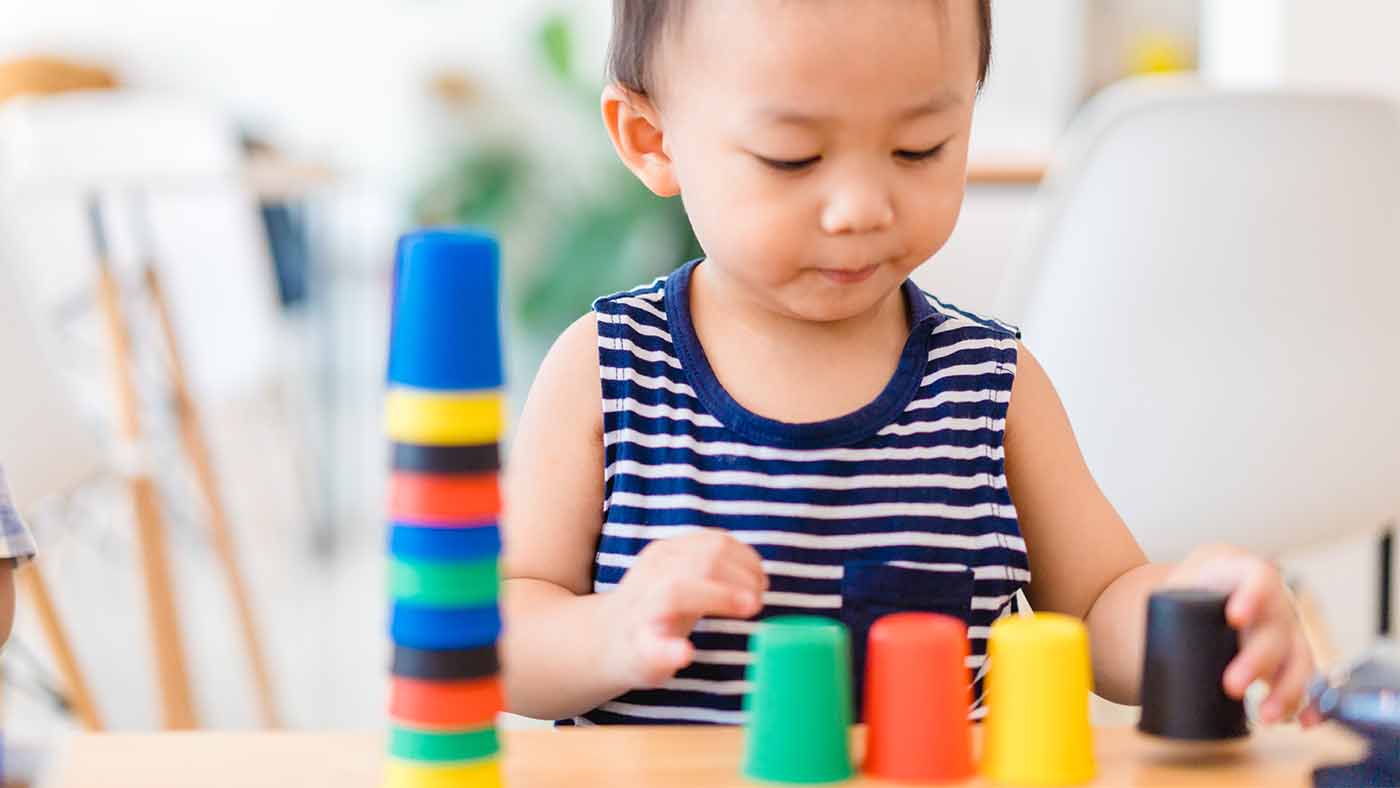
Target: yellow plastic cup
point(1037, 727)
point(484, 773)
point(444, 418)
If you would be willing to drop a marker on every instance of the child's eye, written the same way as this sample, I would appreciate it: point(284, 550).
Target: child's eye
point(790, 165)
point(919, 155)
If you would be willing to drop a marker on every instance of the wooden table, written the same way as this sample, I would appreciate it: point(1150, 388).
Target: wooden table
point(621, 758)
point(1009, 172)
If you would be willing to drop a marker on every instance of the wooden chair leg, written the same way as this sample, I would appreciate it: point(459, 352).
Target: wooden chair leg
point(192, 436)
point(1315, 628)
point(79, 696)
point(176, 702)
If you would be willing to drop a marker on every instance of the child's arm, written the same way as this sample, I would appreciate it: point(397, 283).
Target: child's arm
point(16, 545)
point(1084, 562)
point(568, 650)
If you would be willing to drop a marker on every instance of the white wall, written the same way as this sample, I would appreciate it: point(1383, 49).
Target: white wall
point(1036, 80)
point(1343, 44)
point(1242, 41)
point(342, 81)
point(1346, 45)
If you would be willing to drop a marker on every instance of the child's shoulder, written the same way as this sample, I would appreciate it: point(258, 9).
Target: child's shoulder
point(954, 318)
point(649, 298)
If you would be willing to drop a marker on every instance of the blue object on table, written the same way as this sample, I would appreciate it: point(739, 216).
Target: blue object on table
point(1366, 699)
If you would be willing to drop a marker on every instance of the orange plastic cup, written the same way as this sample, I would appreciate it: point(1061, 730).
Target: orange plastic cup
point(417, 703)
point(917, 695)
point(445, 498)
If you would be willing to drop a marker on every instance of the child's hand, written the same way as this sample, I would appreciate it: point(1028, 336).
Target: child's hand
point(1272, 645)
point(673, 584)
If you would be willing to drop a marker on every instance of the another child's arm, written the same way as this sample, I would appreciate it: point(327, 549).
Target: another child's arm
point(16, 545)
point(7, 599)
point(568, 649)
point(1086, 563)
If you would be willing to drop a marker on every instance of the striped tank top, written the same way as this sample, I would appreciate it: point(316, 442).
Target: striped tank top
point(901, 505)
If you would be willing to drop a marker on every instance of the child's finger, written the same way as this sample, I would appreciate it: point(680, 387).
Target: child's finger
point(694, 598)
point(740, 577)
point(744, 569)
point(1221, 571)
point(1258, 588)
point(662, 655)
point(1286, 686)
point(1261, 654)
point(1310, 716)
point(746, 558)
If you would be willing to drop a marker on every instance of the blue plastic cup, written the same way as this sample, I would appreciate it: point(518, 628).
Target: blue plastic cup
point(446, 332)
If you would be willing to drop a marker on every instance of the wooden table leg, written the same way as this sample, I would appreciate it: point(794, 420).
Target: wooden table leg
point(1315, 629)
point(176, 702)
point(79, 697)
point(192, 436)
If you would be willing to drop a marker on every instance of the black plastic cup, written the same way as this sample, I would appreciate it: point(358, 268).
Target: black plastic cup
point(1189, 645)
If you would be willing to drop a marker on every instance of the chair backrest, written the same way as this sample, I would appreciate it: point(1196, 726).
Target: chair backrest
point(1214, 290)
point(45, 446)
point(179, 163)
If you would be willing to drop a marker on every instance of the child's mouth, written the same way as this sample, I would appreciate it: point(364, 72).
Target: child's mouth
point(850, 276)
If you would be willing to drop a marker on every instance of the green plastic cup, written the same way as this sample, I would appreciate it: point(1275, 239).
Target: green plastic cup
point(799, 710)
point(445, 583)
point(411, 744)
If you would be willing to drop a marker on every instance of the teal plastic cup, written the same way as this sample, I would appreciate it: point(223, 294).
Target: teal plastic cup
point(799, 708)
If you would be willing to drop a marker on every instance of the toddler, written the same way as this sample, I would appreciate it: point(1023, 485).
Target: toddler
point(790, 425)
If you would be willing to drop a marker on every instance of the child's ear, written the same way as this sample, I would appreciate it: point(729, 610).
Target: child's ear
point(635, 127)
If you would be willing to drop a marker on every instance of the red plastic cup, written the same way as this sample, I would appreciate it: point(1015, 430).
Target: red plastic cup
point(917, 695)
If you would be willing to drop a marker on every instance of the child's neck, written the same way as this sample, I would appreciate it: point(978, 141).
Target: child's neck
point(789, 369)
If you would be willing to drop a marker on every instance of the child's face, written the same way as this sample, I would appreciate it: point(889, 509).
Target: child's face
point(820, 146)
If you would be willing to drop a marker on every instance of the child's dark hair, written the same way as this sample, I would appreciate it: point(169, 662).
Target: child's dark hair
point(638, 24)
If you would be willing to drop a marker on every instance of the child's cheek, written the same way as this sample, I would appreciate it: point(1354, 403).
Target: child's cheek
point(938, 208)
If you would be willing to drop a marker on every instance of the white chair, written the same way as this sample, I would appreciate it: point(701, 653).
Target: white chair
point(180, 165)
point(47, 451)
point(190, 228)
point(1213, 288)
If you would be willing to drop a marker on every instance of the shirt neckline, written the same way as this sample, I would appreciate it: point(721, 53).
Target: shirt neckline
point(842, 430)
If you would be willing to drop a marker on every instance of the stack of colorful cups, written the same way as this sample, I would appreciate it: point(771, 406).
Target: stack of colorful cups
point(444, 417)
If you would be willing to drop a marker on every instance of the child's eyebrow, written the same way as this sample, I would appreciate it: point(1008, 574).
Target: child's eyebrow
point(941, 101)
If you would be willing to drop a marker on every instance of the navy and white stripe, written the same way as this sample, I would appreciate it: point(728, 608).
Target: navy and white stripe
point(901, 505)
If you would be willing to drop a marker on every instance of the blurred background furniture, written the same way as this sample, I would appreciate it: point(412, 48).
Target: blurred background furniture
point(1212, 288)
point(101, 152)
point(47, 453)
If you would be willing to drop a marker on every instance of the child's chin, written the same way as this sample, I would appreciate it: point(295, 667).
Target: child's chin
point(834, 309)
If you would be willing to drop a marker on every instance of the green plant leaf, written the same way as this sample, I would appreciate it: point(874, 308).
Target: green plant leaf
point(581, 263)
point(555, 39)
point(587, 237)
point(481, 187)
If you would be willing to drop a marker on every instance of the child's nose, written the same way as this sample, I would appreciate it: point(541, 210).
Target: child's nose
point(858, 208)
